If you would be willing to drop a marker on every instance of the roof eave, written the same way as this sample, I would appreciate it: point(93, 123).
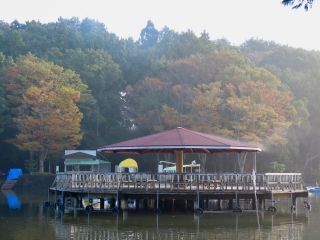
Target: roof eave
point(139, 149)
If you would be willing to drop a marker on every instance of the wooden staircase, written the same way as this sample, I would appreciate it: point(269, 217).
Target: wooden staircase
point(8, 184)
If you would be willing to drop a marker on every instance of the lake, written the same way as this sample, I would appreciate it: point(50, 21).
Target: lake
point(24, 217)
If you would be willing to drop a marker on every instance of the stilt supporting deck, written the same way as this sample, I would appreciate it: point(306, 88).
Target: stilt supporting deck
point(199, 202)
point(254, 203)
point(157, 200)
point(230, 205)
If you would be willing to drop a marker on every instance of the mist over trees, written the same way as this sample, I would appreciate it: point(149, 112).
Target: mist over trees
point(103, 89)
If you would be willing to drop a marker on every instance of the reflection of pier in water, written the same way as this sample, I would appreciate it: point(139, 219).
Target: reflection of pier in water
point(224, 226)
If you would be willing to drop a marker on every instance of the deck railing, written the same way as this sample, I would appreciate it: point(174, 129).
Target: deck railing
point(176, 182)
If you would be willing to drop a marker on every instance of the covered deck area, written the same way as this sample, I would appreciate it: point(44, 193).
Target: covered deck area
point(180, 185)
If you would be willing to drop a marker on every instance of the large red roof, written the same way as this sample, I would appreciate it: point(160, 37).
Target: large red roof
point(179, 139)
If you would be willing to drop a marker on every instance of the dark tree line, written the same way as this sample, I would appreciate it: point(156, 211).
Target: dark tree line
point(261, 91)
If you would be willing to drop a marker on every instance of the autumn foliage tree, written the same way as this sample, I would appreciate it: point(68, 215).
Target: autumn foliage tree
point(219, 93)
point(44, 97)
point(249, 104)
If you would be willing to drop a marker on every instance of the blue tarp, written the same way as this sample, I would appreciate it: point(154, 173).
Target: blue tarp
point(14, 173)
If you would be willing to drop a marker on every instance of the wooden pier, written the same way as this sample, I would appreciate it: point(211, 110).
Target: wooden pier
point(168, 191)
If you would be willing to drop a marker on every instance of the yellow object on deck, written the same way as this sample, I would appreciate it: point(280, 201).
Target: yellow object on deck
point(128, 163)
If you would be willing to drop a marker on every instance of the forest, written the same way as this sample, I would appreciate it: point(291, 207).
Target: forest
point(72, 84)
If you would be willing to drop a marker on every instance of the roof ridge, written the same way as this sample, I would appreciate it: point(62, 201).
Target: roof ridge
point(205, 136)
point(155, 135)
point(179, 135)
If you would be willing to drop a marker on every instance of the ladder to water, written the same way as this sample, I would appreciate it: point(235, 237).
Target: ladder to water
point(8, 184)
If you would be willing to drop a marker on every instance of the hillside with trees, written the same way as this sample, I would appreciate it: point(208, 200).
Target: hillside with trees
point(73, 84)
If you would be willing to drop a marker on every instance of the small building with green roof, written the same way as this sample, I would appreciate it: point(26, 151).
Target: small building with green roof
point(84, 161)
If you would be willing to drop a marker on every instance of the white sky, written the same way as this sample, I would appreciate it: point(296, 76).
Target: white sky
point(235, 20)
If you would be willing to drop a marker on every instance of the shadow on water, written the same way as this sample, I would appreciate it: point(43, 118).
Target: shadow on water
point(33, 221)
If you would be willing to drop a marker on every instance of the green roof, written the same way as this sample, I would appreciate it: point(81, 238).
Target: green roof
point(79, 155)
point(84, 162)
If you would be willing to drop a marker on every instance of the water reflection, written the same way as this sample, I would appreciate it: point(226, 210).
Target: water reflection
point(12, 199)
point(33, 221)
point(218, 226)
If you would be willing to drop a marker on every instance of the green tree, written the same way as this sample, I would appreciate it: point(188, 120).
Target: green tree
point(149, 35)
point(4, 108)
point(173, 45)
point(11, 40)
point(277, 167)
point(3, 103)
point(102, 118)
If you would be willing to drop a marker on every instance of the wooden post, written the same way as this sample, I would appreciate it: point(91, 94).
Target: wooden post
point(255, 162)
point(157, 209)
point(219, 204)
point(254, 203)
point(260, 206)
point(179, 161)
point(230, 205)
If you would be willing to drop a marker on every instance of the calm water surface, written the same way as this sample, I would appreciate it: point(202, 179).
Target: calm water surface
point(32, 221)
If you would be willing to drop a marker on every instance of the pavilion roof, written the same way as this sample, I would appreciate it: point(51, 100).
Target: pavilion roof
point(179, 139)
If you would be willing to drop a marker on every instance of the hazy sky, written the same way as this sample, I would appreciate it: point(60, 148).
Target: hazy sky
point(235, 20)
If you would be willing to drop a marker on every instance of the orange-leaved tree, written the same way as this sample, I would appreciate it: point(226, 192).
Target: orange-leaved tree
point(43, 97)
point(218, 93)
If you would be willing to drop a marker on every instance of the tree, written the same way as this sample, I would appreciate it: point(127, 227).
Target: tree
point(4, 108)
point(3, 102)
point(306, 4)
point(149, 35)
point(277, 167)
point(299, 70)
point(218, 93)
point(11, 40)
point(52, 122)
point(43, 98)
point(103, 77)
point(173, 45)
point(144, 102)
point(250, 104)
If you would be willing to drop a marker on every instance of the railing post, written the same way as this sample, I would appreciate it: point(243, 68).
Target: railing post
point(198, 182)
point(147, 183)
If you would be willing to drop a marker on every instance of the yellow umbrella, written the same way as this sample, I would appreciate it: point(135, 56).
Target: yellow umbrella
point(128, 163)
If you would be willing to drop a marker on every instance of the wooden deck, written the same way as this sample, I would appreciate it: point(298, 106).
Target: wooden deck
point(169, 191)
point(177, 183)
